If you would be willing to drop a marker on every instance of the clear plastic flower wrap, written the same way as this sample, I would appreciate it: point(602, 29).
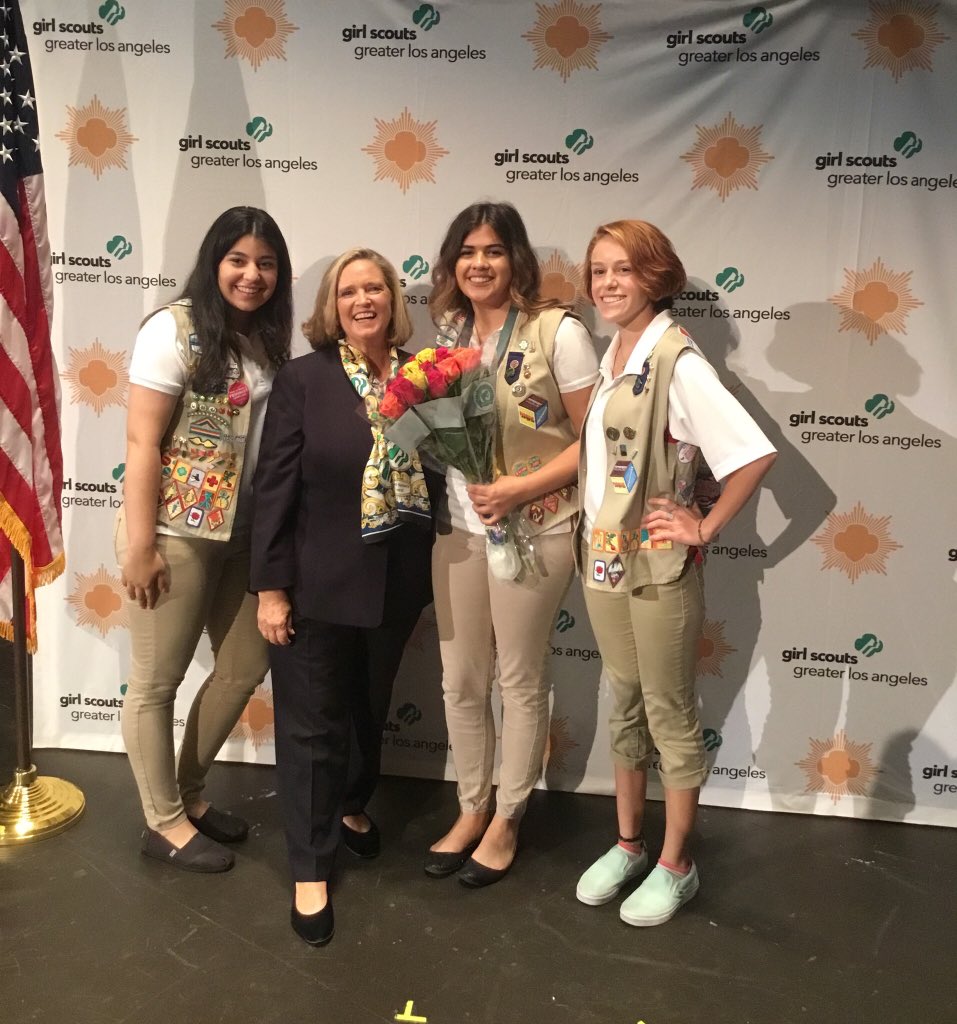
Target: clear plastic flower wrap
point(442, 403)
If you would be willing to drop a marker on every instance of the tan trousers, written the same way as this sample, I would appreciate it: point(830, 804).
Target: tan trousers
point(649, 644)
point(208, 581)
point(477, 615)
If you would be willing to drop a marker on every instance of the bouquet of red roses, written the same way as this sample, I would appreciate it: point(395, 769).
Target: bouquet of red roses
point(442, 402)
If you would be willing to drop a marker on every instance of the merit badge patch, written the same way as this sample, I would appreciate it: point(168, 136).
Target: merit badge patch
point(616, 572)
point(624, 476)
point(533, 412)
point(513, 367)
point(598, 571)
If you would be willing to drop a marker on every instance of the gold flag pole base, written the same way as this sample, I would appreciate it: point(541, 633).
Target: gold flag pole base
point(36, 807)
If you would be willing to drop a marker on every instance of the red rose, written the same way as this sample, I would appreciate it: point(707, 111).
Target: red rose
point(438, 386)
point(391, 407)
point(406, 391)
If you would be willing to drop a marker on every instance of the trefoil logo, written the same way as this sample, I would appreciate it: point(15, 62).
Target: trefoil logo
point(758, 19)
point(729, 279)
point(426, 17)
point(869, 645)
point(579, 141)
point(111, 12)
point(119, 247)
point(259, 129)
point(415, 266)
point(565, 621)
point(879, 406)
point(908, 144)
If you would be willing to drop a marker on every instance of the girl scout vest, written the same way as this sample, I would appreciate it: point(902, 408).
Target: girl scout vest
point(202, 449)
point(533, 425)
point(643, 461)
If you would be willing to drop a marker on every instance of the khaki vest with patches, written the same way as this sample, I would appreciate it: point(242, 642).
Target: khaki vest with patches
point(642, 462)
point(533, 425)
point(202, 449)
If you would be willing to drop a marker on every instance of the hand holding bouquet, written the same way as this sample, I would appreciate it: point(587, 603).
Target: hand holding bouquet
point(442, 402)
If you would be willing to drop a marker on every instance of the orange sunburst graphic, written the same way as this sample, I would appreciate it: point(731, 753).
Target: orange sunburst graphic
point(256, 32)
point(559, 744)
point(97, 377)
point(838, 766)
point(856, 542)
point(99, 600)
point(875, 301)
point(562, 281)
point(727, 157)
point(713, 648)
point(567, 36)
point(97, 136)
point(901, 36)
point(405, 150)
point(256, 724)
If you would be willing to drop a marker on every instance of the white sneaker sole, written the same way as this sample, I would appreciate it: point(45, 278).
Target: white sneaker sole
point(649, 922)
point(599, 901)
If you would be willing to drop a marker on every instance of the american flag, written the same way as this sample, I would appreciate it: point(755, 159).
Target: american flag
point(31, 462)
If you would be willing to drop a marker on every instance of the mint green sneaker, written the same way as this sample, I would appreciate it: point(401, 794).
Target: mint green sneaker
point(659, 897)
point(609, 874)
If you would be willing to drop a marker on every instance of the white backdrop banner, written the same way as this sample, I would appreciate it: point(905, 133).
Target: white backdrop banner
point(801, 157)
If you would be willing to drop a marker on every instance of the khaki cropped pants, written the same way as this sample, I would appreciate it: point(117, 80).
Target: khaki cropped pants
point(648, 640)
point(208, 581)
point(477, 616)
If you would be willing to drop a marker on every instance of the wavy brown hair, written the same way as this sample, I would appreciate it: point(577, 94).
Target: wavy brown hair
point(525, 289)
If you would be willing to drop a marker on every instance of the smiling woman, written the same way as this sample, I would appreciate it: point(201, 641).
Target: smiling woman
point(487, 295)
point(342, 542)
point(200, 376)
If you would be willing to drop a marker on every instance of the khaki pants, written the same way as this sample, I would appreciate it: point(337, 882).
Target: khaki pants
point(208, 581)
point(477, 615)
point(648, 640)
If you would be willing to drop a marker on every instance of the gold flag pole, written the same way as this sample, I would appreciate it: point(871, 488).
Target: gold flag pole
point(32, 806)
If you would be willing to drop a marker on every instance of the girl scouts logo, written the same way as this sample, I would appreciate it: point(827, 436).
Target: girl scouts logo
point(481, 399)
point(255, 32)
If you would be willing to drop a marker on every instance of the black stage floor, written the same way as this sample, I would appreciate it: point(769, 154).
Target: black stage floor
point(799, 919)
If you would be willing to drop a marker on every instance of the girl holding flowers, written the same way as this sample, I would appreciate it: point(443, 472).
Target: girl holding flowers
point(341, 545)
point(486, 299)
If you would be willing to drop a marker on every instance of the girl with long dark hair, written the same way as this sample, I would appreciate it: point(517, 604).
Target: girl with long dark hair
point(200, 375)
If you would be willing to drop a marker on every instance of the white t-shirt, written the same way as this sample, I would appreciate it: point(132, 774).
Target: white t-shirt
point(701, 411)
point(156, 363)
point(574, 366)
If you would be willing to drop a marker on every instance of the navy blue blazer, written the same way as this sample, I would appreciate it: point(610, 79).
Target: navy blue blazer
point(306, 535)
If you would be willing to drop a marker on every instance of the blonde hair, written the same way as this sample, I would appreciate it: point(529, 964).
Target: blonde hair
point(323, 327)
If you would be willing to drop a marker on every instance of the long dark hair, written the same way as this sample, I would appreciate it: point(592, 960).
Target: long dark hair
point(272, 321)
point(505, 221)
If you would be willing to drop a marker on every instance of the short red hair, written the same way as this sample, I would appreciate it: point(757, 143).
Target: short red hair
point(654, 260)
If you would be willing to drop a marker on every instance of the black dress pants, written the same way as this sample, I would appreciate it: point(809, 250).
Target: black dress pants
point(332, 687)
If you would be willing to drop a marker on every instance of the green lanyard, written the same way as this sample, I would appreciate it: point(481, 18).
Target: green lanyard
point(465, 335)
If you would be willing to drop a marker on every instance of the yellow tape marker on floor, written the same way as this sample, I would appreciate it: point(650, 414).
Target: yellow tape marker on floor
point(406, 1014)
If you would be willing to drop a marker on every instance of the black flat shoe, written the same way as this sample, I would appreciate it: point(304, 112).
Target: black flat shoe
point(199, 854)
point(362, 844)
point(441, 865)
point(220, 826)
point(316, 929)
point(477, 876)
